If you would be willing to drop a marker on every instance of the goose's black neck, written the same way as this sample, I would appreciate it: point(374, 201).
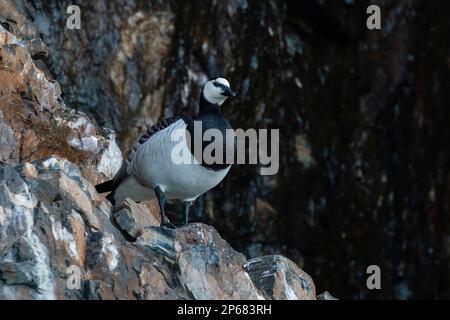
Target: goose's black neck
point(207, 107)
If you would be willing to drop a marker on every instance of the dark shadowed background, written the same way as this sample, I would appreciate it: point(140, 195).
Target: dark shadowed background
point(363, 117)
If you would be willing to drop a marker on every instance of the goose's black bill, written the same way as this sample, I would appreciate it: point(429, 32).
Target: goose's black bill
point(227, 92)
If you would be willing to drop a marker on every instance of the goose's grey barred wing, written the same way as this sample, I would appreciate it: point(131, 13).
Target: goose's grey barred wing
point(150, 132)
point(121, 175)
point(151, 162)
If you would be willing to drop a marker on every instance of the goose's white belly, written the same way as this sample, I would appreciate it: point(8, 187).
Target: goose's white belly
point(153, 166)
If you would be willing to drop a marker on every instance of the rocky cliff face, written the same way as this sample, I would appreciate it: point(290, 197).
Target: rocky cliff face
point(59, 239)
point(364, 158)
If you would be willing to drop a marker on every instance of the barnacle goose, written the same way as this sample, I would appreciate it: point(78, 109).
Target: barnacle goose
point(150, 171)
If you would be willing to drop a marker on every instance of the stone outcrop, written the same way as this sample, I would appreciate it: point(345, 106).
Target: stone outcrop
point(59, 239)
point(54, 227)
point(281, 279)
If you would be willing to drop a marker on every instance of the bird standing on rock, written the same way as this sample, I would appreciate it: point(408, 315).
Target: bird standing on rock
point(150, 169)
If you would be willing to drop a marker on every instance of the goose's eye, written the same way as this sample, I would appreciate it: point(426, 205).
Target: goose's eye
point(215, 83)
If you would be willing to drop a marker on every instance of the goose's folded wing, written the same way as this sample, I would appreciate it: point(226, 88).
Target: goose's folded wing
point(151, 131)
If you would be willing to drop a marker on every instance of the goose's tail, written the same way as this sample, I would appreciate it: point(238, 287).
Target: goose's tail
point(104, 187)
point(107, 187)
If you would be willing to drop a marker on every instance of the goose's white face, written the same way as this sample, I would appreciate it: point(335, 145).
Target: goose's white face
point(217, 91)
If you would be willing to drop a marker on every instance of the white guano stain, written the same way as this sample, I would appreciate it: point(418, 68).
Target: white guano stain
point(41, 272)
point(110, 252)
point(23, 220)
point(111, 159)
point(60, 233)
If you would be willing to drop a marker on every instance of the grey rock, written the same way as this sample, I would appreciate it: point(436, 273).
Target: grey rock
point(208, 268)
point(44, 230)
point(326, 296)
point(8, 141)
point(133, 218)
point(17, 273)
point(280, 278)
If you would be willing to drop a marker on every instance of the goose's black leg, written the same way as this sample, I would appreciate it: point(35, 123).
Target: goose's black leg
point(162, 201)
point(186, 206)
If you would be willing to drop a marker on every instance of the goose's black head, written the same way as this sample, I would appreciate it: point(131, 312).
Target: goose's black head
point(217, 90)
